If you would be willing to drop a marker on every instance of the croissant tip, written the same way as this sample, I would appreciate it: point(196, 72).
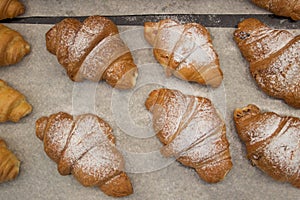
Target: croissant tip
point(40, 126)
point(152, 98)
point(10, 164)
point(246, 112)
point(128, 80)
point(21, 11)
point(215, 173)
point(118, 186)
point(3, 143)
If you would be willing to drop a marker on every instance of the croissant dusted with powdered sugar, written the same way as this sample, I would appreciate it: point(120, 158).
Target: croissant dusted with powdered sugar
point(11, 8)
point(13, 47)
point(92, 50)
point(272, 142)
point(9, 163)
point(274, 59)
point(185, 50)
point(13, 105)
point(286, 8)
point(192, 131)
point(85, 146)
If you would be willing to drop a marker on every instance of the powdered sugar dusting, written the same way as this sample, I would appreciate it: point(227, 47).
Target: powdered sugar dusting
point(87, 35)
point(190, 39)
point(103, 54)
point(262, 42)
point(206, 150)
point(199, 133)
point(282, 75)
point(200, 125)
point(56, 134)
point(283, 151)
point(199, 51)
point(86, 133)
point(97, 165)
point(180, 47)
point(168, 34)
point(263, 128)
point(167, 117)
point(267, 42)
point(84, 146)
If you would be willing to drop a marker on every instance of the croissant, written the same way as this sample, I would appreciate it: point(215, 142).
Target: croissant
point(286, 8)
point(85, 146)
point(9, 163)
point(192, 131)
point(185, 50)
point(13, 47)
point(274, 59)
point(92, 50)
point(272, 142)
point(13, 105)
point(11, 9)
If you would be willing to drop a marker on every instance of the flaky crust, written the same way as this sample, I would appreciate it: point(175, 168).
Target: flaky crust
point(92, 50)
point(85, 147)
point(192, 131)
point(274, 59)
point(11, 9)
point(185, 50)
point(286, 8)
point(9, 163)
point(272, 142)
point(13, 105)
point(13, 47)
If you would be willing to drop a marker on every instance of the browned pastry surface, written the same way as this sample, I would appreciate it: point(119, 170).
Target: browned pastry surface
point(85, 146)
point(286, 8)
point(272, 142)
point(274, 59)
point(11, 8)
point(9, 163)
point(92, 50)
point(192, 131)
point(13, 105)
point(13, 47)
point(185, 50)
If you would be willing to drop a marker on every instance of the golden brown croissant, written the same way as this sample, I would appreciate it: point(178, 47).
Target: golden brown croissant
point(9, 163)
point(13, 47)
point(85, 146)
point(11, 8)
point(92, 50)
point(192, 131)
point(185, 50)
point(286, 8)
point(272, 142)
point(13, 105)
point(274, 59)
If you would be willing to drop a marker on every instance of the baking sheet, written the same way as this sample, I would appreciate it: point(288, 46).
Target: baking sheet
point(49, 90)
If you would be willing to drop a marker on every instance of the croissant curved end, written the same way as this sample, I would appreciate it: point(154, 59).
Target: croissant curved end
point(151, 100)
point(296, 14)
point(15, 8)
point(216, 80)
point(150, 31)
point(250, 23)
point(20, 111)
point(246, 26)
point(51, 40)
point(215, 174)
point(118, 186)
point(128, 80)
point(2, 143)
point(40, 126)
point(246, 112)
point(10, 164)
